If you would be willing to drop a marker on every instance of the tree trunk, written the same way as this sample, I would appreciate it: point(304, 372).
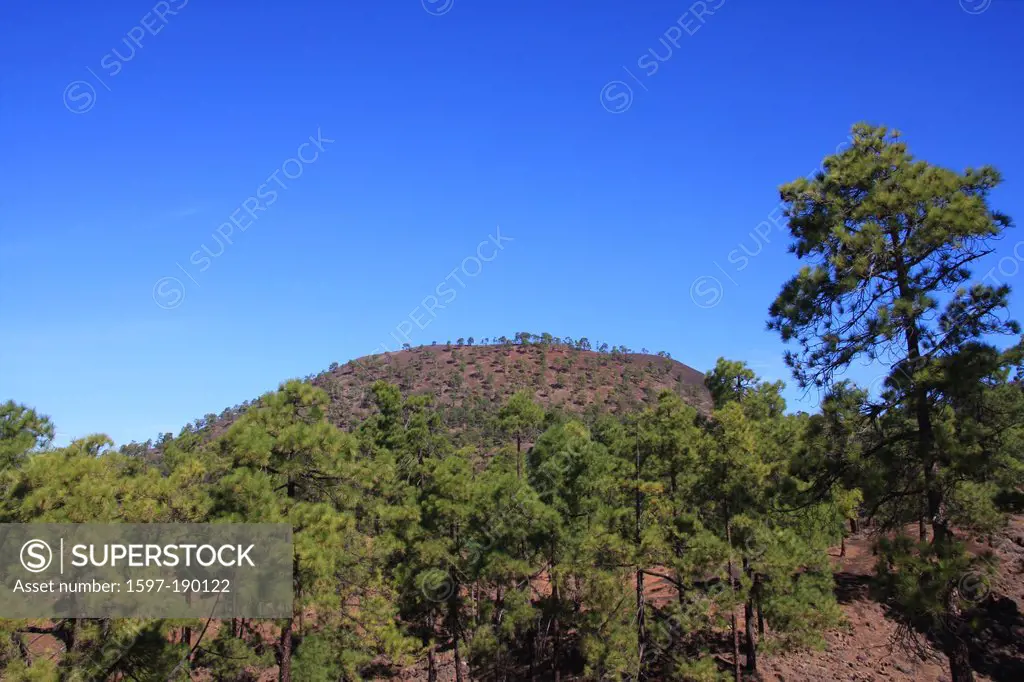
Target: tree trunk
point(955, 642)
point(431, 663)
point(677, 546)
point(428, 640)
point(842, 546)
point(748, 618)
point(926, 455)
point(940, 532)
point(519, 457)
point(533, 653)
point(556, 648)
point(959, 658)
point(186, 632)
point(285, 645)
point(476, 604)
point(186, 636)
point(735, 630)
point(458, 661)
point(641, 635)
point(748, 613)
point(641, 624)
point(65, 632)
point(925, 433)
point(23, 651)
point(758, 596)
point(453, 627)
point(735, 646)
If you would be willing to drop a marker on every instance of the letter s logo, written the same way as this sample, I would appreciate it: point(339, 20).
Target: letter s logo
point(36, 556)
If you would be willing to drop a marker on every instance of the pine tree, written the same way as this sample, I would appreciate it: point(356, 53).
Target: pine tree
point(288, 464)
point(888, 241)
point(574, 476)
point(22, 431)
point(520, 418)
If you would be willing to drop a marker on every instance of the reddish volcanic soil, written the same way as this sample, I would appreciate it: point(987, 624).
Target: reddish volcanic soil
point(869, 647)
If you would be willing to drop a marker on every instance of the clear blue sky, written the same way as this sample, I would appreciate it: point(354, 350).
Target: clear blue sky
point(448, 119)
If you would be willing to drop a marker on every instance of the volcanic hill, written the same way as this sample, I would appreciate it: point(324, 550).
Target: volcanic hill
point(469, 383)
point(465, 378)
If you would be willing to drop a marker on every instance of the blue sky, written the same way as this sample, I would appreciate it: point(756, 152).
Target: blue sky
point(133, 131)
